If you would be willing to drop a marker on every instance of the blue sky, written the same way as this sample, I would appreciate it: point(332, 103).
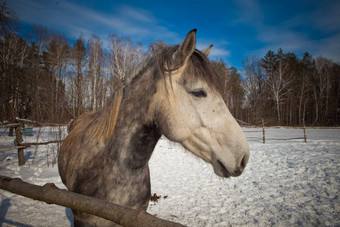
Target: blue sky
point(237, 28)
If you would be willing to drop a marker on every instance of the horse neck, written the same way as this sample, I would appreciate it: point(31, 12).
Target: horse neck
point(135, 134)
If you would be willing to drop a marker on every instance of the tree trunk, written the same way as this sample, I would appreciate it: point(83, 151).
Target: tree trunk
point(94, 92)
point(316, 108)
point(79, 91)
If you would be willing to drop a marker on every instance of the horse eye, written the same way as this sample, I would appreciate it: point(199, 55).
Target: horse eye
point(199, 93)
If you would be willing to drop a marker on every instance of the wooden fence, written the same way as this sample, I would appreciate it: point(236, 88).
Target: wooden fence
point(20, 146)
point(50, 194)
point(264, 134)
point(18, 142)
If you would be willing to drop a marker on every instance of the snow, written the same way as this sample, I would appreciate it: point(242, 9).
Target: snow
point(286, 182)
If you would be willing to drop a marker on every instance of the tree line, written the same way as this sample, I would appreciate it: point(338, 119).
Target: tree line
point(45, 77)
point(286, 90)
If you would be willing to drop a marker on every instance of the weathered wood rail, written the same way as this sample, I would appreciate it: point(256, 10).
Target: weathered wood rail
point(51, 194)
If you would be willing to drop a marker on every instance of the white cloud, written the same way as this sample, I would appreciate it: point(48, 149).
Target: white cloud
point(73, 20)
point(329, 47)
point(282, 37)
point(219, 49)
point(249, 12)
point(316, 31)
point(137, 14)
point(216, 52)
point(325, 17)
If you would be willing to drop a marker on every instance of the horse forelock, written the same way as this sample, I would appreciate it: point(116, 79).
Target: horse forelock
point(197, 67)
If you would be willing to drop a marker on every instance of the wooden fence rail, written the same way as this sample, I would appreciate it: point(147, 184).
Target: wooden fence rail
point(10, 125)
point(42, 143)
point(51, 194)
point(39, 123)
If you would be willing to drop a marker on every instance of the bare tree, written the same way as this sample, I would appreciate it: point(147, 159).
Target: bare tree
point(8, 20)
point(56, 61)
point(234, 92)
point(222, 70)
point(13, 98)
point(95, 62)
point(78, 61)
point(254, 86)
point(303, 86)
point(38, 39)
point(123, 55)
point(8, 47)
point(279, 79)
point(322, 90)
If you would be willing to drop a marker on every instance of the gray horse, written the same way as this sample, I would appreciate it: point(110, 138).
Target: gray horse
point(176, 93)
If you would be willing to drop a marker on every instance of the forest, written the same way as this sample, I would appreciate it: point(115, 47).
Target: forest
point(48, 78)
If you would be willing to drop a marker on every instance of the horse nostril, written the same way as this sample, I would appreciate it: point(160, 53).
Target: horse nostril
point(244, 162)
point(239, 170)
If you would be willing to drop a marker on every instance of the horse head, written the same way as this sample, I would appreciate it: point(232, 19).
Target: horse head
point(189, 109)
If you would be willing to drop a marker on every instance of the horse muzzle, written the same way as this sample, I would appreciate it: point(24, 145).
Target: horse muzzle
point(224, 168)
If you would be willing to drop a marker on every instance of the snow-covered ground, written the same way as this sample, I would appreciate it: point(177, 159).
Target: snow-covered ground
point(285, 183)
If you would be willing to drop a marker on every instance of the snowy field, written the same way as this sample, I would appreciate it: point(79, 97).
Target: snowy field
point(286, 183)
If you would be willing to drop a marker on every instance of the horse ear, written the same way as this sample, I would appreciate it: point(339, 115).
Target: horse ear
point(187, 47)
point(207, 50)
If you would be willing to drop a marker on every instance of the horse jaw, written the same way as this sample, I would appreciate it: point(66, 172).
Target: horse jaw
point(225, 146)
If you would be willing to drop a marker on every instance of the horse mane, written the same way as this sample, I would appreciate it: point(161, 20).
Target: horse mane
point(105, 127)
point(100, 126)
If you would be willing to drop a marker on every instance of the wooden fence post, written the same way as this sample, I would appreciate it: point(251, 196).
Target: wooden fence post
point(304, 131)
point(263, 132)
point(18, 141)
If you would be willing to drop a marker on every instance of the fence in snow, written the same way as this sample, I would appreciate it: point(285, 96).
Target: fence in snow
point(116, 214)
point(264, 138)
point(21, 146)
point(21, 131)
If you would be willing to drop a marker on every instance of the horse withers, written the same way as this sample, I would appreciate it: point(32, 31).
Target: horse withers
point(175, 92)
